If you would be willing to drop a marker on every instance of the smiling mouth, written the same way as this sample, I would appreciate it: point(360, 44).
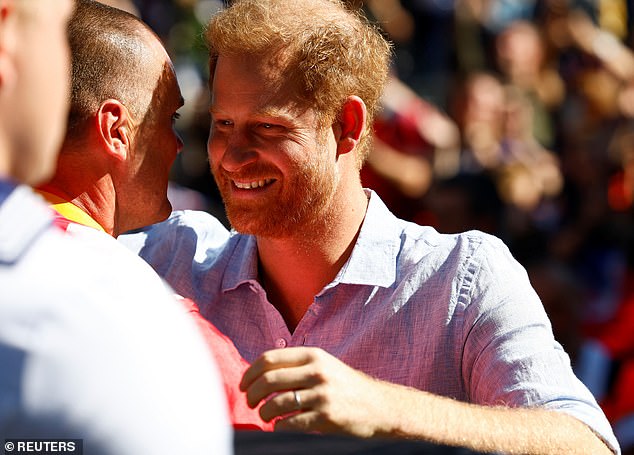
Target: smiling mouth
point(253, 185)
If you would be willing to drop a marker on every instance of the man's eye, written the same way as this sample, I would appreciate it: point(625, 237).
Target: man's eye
point(270, 126)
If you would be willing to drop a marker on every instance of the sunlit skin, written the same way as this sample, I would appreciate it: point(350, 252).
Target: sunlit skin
point(155, 145)
point(33, 43)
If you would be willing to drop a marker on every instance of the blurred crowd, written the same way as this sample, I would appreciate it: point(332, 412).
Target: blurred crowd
point(514, 117)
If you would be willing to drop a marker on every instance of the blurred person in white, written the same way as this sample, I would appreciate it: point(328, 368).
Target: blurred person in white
point(92, 344)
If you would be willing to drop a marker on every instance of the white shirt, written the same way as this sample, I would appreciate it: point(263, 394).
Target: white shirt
point(93, 346)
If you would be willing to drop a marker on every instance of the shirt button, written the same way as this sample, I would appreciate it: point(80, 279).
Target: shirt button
point(280, 343)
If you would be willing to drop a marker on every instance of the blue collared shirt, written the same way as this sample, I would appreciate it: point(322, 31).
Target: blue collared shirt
point(454, 315)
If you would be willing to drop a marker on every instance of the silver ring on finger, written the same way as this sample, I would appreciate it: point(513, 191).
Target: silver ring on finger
point(298, 400)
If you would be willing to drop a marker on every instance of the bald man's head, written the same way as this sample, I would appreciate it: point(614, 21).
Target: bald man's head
point(114, 56)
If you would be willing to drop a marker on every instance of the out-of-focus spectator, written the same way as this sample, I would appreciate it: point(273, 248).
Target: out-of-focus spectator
point(414, 143)
point(478, 110)
point(497, 136)
point(529, 172)
point(521, 58)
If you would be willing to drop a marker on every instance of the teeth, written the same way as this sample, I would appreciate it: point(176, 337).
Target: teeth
point(252, 185)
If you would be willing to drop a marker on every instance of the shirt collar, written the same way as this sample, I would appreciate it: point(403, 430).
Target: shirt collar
point(373, 258)
point(243, 261)
point(70, 211)
point(372, 262)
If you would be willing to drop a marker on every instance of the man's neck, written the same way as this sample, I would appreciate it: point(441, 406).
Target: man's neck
point(295, 269)
point(91, 201)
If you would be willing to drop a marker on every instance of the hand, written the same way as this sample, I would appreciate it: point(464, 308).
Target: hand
point(331, 396)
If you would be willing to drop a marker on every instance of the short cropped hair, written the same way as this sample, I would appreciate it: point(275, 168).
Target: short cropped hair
point(108, 55)
point(331, 51)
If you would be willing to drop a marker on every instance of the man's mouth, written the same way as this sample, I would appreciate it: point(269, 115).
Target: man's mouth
point(253, 185)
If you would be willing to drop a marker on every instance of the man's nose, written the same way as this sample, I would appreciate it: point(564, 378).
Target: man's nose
point(239, 151)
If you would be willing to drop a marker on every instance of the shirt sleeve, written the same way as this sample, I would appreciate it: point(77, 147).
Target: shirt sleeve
point(511, 357)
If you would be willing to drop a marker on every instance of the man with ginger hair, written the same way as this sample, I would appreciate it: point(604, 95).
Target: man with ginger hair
point(388, 328)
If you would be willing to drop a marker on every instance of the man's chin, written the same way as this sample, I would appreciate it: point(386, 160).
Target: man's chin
point(245, 223)
point(272, 227)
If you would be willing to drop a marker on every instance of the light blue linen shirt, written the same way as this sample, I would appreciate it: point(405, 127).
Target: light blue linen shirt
point(454, 315)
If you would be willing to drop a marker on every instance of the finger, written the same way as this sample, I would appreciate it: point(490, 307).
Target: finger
point(288, 402)
point(275, 359)
point(279, 380)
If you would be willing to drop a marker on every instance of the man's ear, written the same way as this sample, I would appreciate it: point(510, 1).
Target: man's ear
point(350, 124)
point(115, 127)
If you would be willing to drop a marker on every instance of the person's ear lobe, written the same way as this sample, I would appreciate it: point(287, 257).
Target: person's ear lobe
point(114, 124)
point(351, 124)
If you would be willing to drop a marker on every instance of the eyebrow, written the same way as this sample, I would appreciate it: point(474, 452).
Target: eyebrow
point(276, 113)
point(265, 112)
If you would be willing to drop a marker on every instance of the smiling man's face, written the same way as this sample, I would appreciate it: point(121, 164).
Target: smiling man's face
point(273, 163)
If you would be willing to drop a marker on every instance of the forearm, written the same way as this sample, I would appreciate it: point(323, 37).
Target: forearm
point(308, 389)
point(409, 413)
